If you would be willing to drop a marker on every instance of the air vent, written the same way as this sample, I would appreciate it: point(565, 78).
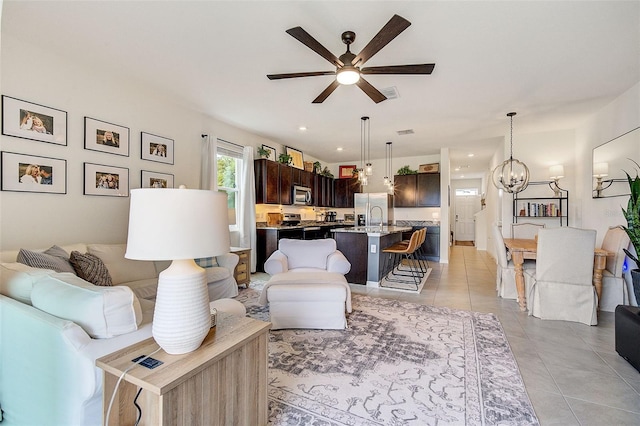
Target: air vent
point(405, 132)
point(390, 92)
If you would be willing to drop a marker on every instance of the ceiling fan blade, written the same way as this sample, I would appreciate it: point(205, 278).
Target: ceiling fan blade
point(299, 74)
point(326, 92)
point(391, 30)
point(400, 69)
point(371, 91)
point(305, 38)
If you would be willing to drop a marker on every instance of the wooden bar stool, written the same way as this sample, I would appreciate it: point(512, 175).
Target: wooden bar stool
point(399, 252)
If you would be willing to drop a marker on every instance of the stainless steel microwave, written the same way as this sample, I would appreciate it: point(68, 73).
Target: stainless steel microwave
point(301, 195)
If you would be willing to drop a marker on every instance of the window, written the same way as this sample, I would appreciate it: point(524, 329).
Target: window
point(229, 176)
point(467, 191)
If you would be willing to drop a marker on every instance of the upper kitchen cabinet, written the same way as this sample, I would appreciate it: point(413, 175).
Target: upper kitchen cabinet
point(273, 182)
point(420, 190)
point(322, 191)
point(344, 190)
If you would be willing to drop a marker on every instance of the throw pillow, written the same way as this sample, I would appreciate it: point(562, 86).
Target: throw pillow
point(54, 258)
point(91, 268)
point(207, 262)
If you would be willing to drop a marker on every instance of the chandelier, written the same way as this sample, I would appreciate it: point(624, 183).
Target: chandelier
point(365, 170)
point(512, 175)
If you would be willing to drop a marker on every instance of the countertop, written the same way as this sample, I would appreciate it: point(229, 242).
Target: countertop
point(374, 231)
point(304, 224)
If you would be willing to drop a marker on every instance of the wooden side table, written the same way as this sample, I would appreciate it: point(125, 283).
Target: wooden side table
point(224, 382)
point(242, 273)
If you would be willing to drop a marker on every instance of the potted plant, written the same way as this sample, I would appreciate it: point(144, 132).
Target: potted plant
point(285, 158)
point(632, 214)
point(405, 170)
point(317, 167)
point(264, 153)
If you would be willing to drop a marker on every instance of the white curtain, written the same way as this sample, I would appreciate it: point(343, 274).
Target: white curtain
point(247, 223)
point(207, 162)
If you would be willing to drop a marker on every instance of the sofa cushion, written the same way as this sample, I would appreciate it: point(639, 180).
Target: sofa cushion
point(102, 312)
point(54, 258)
point(307, 253)
point(144, 289)
point(90, 268)
point(122, 270)
point(206, 262)
point(17, 279)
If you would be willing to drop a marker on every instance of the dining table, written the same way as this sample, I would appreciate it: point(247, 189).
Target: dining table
point(521, 249)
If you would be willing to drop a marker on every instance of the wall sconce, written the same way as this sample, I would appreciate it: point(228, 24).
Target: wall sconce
point(555, 173)
point(600, 170)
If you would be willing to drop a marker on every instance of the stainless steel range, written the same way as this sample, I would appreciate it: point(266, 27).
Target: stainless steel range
point(291, 219)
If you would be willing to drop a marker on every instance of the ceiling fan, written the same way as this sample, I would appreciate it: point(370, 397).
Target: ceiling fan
point(348, 66)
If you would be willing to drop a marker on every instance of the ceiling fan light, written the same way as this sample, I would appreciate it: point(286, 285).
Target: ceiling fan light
point(348, 75)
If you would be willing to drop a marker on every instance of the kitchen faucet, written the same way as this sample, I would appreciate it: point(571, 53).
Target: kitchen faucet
point(371, 216)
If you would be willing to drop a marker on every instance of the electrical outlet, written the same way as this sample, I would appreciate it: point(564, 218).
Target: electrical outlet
point(374, 248)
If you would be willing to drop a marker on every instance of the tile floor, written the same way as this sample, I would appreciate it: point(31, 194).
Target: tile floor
point(571, 371)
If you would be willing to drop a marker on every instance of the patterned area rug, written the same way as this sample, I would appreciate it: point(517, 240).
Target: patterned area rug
point(398, 363)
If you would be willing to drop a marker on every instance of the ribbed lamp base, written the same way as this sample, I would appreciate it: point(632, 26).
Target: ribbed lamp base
point(181, 319)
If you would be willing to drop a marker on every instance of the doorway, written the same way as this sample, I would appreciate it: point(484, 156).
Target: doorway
point(467, 204)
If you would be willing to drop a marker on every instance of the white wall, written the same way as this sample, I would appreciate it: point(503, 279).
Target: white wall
point(34, 74)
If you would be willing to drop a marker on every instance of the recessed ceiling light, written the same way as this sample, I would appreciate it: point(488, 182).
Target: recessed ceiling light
point(339, 148)
point(302, 128)
point(470, 154)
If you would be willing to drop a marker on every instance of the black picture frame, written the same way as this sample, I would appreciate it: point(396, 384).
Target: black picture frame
point(106, 181)
point(106, 137)
point(19, 175)
point(156, 148)
point(19, 120)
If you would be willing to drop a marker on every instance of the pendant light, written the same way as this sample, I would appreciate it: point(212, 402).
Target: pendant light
point(512, 175)
point(368, 169)
point(388, 167)
point(365, 169)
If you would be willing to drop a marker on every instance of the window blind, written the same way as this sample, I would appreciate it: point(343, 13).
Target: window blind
point(229, 149)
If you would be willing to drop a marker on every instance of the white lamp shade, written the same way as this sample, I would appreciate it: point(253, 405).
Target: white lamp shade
point(174, 224)
point(600, 169)
point(556, 172)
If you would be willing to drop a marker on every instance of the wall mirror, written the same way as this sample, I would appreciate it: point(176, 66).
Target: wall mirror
point(611, 160)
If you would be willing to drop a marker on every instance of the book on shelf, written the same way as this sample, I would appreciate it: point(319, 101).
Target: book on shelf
point(539, 210)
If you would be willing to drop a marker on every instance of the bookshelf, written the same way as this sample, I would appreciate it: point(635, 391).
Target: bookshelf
point(531, 208)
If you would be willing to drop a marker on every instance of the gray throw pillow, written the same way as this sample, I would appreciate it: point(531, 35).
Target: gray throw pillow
point(91, 268)
point(54, 258)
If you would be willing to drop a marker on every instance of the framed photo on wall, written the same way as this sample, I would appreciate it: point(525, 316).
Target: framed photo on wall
point(156, 148)
point(106, 137)
point(106, 180)
point(156, 180)
point(273, 154)
point(346, 171)
point(31, 173)
point(27, 120)
point(297, 160)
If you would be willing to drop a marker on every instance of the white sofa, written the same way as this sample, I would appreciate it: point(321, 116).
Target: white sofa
point(307, 288)
point(54, 325)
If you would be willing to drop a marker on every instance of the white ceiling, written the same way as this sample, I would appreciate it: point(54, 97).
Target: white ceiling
point(554, 63)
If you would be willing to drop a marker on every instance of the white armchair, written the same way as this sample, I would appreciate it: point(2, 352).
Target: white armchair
point(307, 256)
point(506, 273)
point(614, 287)
point(561, 287)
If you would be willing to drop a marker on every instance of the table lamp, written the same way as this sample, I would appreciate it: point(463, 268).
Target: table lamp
point(179, 225)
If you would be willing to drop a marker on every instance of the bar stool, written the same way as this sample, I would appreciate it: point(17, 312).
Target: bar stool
point(420, 255)
point(399, 252)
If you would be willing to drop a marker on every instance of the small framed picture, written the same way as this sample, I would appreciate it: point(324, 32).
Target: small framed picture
point(156, 148)
point(429, 168)
point(273, 154)
point(156, 180)
point(27, 120)
point(106, 137)
point(31, 173)
point(106, 180)
point(297, 160)
point(346, 171)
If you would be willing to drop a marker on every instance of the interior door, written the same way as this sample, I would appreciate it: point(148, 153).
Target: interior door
point(466, 207)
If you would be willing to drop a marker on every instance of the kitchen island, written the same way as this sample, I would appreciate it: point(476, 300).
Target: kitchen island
point(362, 246)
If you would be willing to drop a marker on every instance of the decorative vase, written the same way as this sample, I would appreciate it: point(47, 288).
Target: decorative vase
point(635, 280)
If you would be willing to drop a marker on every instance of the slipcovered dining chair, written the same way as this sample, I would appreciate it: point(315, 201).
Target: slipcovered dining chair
point(505, 273)
point(561, 287)
point(614, 287)
point(525, 230)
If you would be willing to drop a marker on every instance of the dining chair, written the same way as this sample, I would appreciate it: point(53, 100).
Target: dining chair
point(505, 273)
point(525, 230)
point(561, 287)
point(614, 287)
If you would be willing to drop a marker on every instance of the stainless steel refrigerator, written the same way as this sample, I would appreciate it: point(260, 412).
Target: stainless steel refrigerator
point(374, 206)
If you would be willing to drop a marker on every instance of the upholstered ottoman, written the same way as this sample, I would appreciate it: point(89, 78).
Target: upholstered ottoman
point(316, 300)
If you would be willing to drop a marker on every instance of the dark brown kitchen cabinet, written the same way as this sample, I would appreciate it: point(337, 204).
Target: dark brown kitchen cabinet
point(322, 191)
point(273, 182)
point(420, 190)
point(343, 192)
point(404, 193)
point(428, 190)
